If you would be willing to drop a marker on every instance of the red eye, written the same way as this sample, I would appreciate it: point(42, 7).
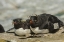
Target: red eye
point(31, 22)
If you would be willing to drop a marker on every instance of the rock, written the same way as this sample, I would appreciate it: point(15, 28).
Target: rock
point(2, 40)
point(45, 35)
point(13, 41)
point(60, 31)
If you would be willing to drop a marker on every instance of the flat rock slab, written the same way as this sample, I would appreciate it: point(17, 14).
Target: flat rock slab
point(44, 38)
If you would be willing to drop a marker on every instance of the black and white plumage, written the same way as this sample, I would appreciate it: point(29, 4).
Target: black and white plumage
point(22, 27)
point(45, 21)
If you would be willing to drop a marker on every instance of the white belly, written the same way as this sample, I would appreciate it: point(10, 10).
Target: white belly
point(21, 31)
point(37, 30)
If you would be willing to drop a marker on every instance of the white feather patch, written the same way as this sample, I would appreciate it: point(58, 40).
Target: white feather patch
point(37, 30)
point(21, 31)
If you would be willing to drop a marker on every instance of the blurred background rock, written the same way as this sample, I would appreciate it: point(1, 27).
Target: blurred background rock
point(10, 9)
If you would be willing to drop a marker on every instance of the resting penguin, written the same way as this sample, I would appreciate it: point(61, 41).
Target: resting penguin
point(45, 21)
point(38, 30)
point(1, 29)
point(22, 27)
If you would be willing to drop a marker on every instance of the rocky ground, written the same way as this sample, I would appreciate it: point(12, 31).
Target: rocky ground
point(49, 37)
